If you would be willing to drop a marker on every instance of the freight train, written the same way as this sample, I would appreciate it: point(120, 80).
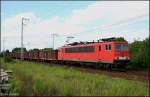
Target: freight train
point(105, 53)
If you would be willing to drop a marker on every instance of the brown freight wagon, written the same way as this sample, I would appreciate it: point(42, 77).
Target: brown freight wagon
point(12, 55)
point(18, 55)
point(46, 55)
point(42, 55)
point(52, 54)
point(35, 55)
point(30, 55)
point(26, 55)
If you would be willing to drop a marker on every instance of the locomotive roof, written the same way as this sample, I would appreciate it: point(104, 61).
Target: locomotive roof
point(94, 43)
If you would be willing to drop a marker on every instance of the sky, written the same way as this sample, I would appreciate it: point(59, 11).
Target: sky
point(83, 20)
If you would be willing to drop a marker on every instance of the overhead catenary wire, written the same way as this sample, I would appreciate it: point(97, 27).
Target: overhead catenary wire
point(109, 26)
point(103, 28)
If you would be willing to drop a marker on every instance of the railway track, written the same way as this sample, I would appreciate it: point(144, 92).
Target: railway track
point(140, 75)
point(130, 74)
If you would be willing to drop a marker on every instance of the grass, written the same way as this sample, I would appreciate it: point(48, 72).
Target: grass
point(34, 79)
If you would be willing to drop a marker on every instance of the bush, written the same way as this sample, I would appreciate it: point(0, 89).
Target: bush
point(8, 59)
point(139, 52)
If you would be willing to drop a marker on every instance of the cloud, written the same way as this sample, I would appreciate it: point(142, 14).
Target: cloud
point(113, 11)
point(91, 19)
point(12, 24)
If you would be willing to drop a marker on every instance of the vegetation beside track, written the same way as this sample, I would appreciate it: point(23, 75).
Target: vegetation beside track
point(31, 78)
point(139, 52)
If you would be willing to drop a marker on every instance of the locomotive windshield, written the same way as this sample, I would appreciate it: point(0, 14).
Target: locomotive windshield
point(121, 47)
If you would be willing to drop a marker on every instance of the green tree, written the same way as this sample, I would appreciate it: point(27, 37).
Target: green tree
point(17, 49)
point(145, 53)
point(139, 52)
point(35, 49)
point(48, 49)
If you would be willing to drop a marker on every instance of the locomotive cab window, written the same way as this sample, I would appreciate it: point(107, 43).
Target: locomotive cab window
point(121, 47)
point(99, 48)
point(108, 46)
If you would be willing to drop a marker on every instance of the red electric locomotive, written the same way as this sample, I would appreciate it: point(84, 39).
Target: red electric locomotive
point(106, 53)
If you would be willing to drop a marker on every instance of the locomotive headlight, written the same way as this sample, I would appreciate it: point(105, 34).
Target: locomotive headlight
point(120, 58)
